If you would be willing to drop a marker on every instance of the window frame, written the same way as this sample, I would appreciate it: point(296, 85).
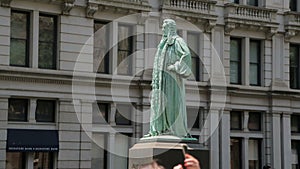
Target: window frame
point(197, 53)
point(130, 51)
point(54, 43)
point(107, 56)
point(131, 121)
point(238, 61)
point(107, 112)
point(258, 64)
point(240, 114)
point(297, 66)
point(293, 5)
point(28, 39)
point(53, 120)
point(26, 110)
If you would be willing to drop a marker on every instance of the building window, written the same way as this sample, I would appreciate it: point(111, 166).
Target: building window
point(236, 120)
point(99, 153)
point(294, 67)
point(121, 150)
point(125, 49)
point(19, 38)
point(193, 120)
point(17, 109)
point(235, 61)
point(45, 111)
point(123, 114)
point(193, 43)
point(295, 154)
point(254, 121)
point(295, 123)
point(47, 41)
point(252, 2)
point(43, 160)
point(254, 153)
point(293, 5)
point(15, 160)
point(101, 47)
point(255, 58)
point(235, 1)
point(100, 113)
point(235, 153)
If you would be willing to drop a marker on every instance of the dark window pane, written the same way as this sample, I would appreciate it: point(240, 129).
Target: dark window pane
point(235, 153)
point(295, 154)
point(295, 123)
point(18, 52)
point(254, 153)
point(100, 113)
point(15, 160)
point(252, 2)
point(294, 67)
point(43, 160)
point(255, 62)
point(46, 56)
point(293, 5)
point(125, 49)
point(235, 61)
point(254, 123)
point(193, 118)
point(235, 120)
point(101, 47)
point(45, 111)
point(193, 43)
point(19, 46)
point(17, 109)
point(123, 115)
point(235, 1)
point(47, 42)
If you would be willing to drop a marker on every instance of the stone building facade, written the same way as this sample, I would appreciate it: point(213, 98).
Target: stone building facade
point(75, 80)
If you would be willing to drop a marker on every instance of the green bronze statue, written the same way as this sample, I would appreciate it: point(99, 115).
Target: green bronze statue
point(172, 65)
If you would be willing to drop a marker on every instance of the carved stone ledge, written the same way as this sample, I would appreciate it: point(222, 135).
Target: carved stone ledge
point(289, 34)
point(229, 27)
point(91, 10)
point(271, 32)
point(5, 3)
point(67, 6)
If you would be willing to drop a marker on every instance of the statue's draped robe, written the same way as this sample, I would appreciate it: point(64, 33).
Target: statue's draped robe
point(168, 109)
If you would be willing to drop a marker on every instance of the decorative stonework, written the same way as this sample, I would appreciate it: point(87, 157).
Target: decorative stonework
point(67, 6)
point(250, 17)
point(200, 11)
point(292, 24)
point(5, 3)
point(123, 6)
point(91, 9)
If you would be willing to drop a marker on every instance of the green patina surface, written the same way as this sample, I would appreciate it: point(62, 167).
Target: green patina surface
point(172, 65)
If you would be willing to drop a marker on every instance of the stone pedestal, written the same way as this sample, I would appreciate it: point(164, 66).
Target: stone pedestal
point(167, 151)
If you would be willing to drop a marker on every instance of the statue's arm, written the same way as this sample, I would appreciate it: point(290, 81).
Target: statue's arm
point(183, 65)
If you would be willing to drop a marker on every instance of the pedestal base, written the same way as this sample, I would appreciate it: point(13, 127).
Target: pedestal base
point(168, 151)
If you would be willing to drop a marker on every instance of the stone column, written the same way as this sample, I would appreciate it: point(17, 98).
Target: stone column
point(286, 141)
point(225, 140)
point(276, 141)
point(111, 150)
point(4, 36)
point(3, 127)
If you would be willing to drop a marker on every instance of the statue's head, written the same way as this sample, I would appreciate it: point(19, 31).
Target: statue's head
point(169, 28)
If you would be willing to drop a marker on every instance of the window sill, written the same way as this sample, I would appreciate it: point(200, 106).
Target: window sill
point(32, 125)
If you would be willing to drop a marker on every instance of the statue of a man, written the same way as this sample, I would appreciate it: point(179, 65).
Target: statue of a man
point(172, 65)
